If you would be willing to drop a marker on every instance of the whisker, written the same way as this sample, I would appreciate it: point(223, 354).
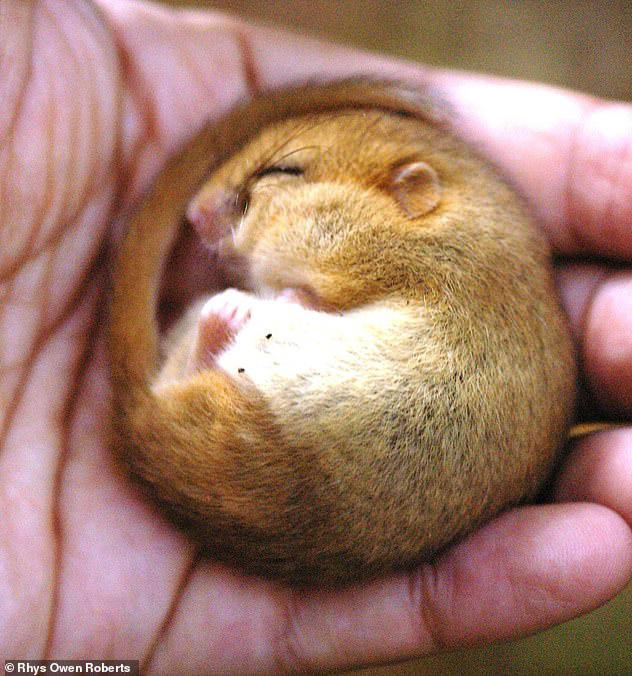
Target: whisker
point(276, 160)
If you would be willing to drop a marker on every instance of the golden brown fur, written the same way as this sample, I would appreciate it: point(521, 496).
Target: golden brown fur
point(396, 368)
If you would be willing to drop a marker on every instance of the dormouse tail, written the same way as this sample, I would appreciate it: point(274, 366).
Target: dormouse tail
point(133, 330)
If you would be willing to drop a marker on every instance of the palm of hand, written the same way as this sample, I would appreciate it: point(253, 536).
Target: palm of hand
point(92, 568)
point(86, 567)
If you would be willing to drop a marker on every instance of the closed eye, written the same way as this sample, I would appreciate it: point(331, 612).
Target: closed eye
point(279, 169)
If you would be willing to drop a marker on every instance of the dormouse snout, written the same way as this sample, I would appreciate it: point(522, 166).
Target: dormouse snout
point(214, 213)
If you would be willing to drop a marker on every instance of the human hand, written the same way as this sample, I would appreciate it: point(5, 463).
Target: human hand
point(92, 106)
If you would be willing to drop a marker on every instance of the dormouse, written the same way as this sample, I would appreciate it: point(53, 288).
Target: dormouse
point(390, 366)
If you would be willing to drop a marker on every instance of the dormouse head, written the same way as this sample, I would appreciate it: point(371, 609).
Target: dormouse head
point(322, 186)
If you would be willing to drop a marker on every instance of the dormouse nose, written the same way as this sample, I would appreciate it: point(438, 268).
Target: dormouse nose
point(213, 213)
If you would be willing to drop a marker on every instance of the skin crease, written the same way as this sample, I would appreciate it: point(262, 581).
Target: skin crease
point(86, 569)
point(325, 447)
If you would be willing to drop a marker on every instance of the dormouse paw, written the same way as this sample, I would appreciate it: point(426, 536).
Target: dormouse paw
point(221, 318)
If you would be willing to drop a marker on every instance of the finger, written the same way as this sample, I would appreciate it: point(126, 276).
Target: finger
point(599, 304)
point(180, 69)
point(599, 469)
point(529, 569)
point(570, 154)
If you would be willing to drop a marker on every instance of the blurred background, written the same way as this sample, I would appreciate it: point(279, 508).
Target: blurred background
point(577, 44)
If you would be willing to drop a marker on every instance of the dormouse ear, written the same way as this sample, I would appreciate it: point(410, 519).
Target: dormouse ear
point(416, 188)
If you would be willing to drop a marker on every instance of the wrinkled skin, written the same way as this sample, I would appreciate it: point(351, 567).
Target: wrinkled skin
point(94, 100)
